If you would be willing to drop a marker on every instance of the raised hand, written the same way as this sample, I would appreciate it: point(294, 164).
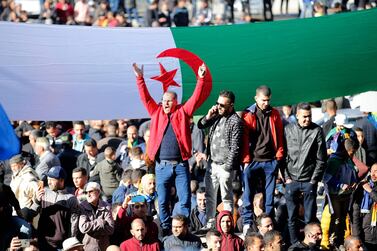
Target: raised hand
point(202, 71)
point(138, 72)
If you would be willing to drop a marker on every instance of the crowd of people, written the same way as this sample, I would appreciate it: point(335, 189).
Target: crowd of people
point(165, 13)
point(244, 180)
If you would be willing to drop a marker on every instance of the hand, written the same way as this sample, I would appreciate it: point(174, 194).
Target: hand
point(288, 181)
point(345, 187)
point(40, 194)
point(212, 112)
point(367, 187)
point(15, 244)
point(138, 72)
point(127, 199)
point(202, 71)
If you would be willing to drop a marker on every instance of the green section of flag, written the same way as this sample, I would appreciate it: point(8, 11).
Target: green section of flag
point(301, 59)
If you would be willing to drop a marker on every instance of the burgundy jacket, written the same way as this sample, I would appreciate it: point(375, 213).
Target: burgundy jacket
point(229, 241)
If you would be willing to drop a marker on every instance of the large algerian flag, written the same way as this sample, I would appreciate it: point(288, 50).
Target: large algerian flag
point(71, 72)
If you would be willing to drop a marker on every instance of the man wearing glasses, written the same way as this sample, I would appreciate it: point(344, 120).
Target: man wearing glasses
point(96, 221)
point(223, 152)
point(170, 142)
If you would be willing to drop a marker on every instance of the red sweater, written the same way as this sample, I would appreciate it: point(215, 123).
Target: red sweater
point(135, 245)
point(180, 118)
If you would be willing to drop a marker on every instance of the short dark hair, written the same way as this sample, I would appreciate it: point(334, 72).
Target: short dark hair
point(270, 236)
point(331, 105)
point(264, 90)
point(350, 144)
point(303, 106)
point(261, 217)
point(79, 122)
point(81, 170)
point(90, 143)
point(136, 175)
point(127, 175)
point(181, 218)
point(136, 151)
point(309, 227)
point(212, 232)
point(251, 237)
point(358, 129)
point(50, 124)
point(228, 94)
point(201, 190)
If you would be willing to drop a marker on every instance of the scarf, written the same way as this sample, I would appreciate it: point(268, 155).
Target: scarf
point(367, 205)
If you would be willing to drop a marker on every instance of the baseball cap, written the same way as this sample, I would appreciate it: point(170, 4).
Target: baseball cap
point(56, 172)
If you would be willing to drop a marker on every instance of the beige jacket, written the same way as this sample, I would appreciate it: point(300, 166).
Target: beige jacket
point(25, 186)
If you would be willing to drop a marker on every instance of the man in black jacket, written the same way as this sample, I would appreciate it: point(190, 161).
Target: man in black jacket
point(90, 158)
point(365, 201)
point(306, 158)
point(223, 152)
point(198, 218)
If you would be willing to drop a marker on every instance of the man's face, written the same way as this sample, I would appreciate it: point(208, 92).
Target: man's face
point(54, 184)
point(16, 167)
point(79, 130)
point(224, 106)
point(169, 103)
point(373, 173)
point(315, 236)
point(277, 244)
point(214, 243)
point(92, 196)
point(32, 140)
point(201, 201)
point(132, 133)
point(79, 180)
point(266, 225)
point(91, 151)
point(226, 224)
point(138, 230)
point(304, 117)
point(146, 136)
point(178, 228)
point(53, 131)
point(257, 246)
point(122, 125)
point(139, 210)
point(150, 186)
point(360, 137)
point(356, 245)
point(263, 102)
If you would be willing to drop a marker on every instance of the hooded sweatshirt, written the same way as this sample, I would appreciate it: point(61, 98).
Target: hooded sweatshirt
point(230, 241)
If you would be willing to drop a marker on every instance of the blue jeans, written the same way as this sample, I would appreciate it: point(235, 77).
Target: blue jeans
point(292, 191)
point(251, 179)
point(167, 174)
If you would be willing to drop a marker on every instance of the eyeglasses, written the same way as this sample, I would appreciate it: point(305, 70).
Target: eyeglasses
point(139, 206)
point(90, 192)
point(221, 105)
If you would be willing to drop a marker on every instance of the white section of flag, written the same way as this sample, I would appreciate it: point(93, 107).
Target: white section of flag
point(75, 73)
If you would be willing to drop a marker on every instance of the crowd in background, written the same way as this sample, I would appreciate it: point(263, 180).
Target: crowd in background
point(166, 13)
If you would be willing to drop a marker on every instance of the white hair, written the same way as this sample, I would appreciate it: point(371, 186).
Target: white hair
point(43, 142)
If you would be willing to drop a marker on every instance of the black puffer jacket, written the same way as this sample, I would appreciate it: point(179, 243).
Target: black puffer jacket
point(306, 152)
point(233, 131)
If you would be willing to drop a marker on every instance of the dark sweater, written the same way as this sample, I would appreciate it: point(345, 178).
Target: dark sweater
point(169, 149)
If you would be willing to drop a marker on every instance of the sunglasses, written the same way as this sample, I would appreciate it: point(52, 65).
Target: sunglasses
point(139, 206)
point(90, 192)
point(221, 105)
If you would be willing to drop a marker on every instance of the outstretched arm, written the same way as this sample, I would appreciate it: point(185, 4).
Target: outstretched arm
point(145, 96)
point(201, 92)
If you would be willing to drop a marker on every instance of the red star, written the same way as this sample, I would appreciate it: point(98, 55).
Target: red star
point(166, 78)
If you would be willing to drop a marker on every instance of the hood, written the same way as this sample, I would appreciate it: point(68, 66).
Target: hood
point(253, 109)
point(218, 221)
point(27, 169)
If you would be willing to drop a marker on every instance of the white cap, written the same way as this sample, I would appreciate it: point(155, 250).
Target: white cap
point(70, 243)
point(341, 119)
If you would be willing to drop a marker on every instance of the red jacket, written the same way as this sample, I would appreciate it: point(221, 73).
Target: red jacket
point(135, 245)
point(229, 241)
point(180, 118)
point(250, 125)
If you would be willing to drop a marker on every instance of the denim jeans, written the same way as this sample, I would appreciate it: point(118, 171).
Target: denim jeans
point(167, 174)
point(251, 178)
point(217, 177)
point(292, 191)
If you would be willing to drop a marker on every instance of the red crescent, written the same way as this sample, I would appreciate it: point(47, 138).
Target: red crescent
point(190, 59)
